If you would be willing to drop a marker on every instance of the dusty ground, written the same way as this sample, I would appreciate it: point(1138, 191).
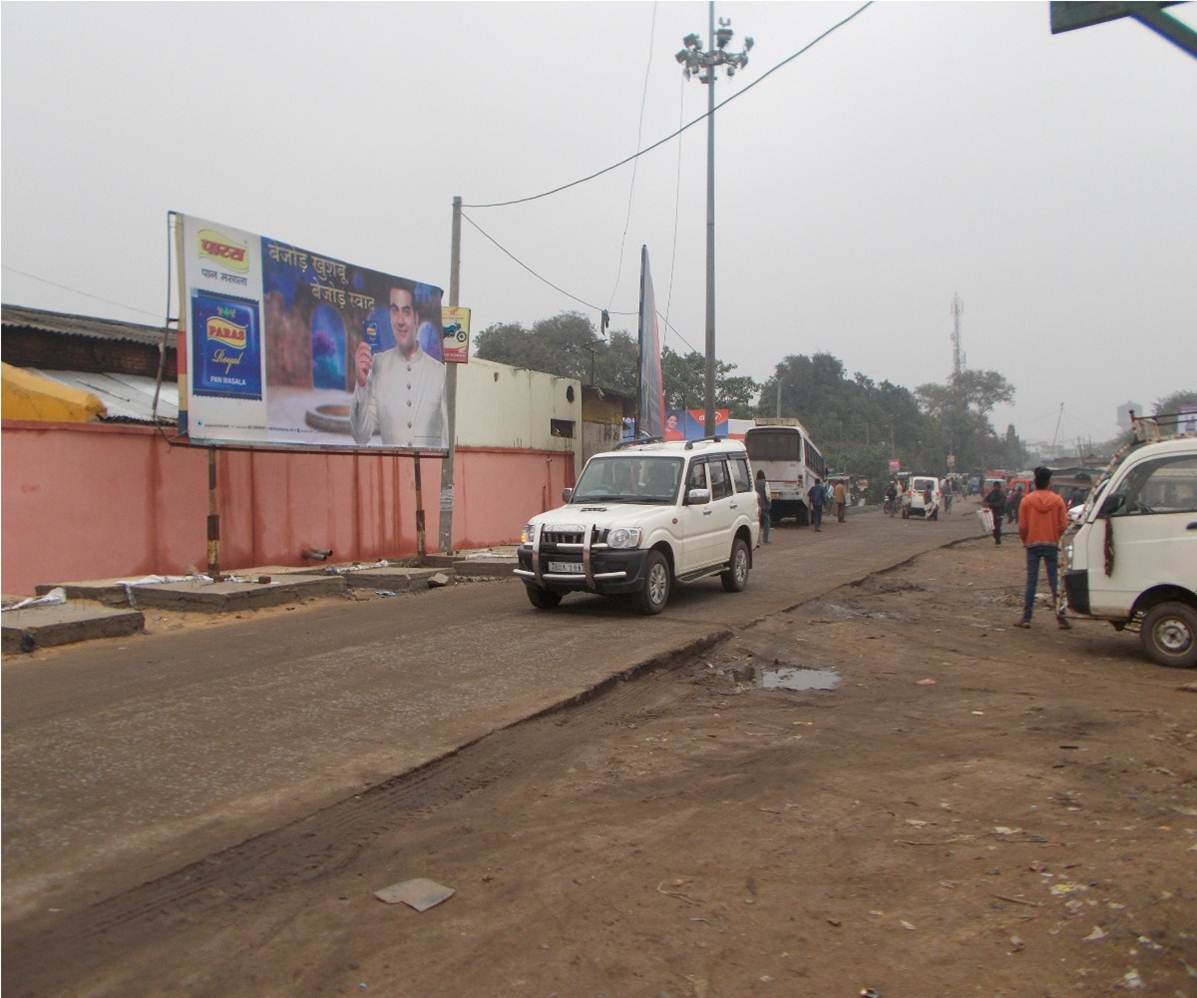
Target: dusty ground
point(1025, 824)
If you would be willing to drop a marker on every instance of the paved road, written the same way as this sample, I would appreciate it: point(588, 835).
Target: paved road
point(127, 759)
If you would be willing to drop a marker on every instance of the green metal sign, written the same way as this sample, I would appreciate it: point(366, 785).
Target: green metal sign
point(1067, 16)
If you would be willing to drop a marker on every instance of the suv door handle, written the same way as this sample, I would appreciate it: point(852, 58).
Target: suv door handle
point(737, 506)
point(706, 512)
point(1192, 526)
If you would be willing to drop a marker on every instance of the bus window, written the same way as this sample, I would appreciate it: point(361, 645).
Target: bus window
point(766, 444)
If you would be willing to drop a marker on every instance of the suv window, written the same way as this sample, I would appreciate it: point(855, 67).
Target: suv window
point(1166, 485)
point(721, 486)
point(697, 478)
point(743, 479)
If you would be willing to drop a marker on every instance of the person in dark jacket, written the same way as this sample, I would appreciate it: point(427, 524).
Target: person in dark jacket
point(764, 504)
point(816, 497)
point(996, 502)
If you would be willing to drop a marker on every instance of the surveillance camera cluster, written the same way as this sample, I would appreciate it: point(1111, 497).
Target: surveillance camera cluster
point(696, 62)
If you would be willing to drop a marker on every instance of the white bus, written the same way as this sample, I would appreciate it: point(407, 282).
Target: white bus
point(782, 449)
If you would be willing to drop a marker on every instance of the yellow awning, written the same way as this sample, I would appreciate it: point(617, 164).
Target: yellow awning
point(30, 396)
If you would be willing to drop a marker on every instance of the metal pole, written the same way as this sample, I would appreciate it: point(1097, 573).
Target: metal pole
point(420, 549)
point(709, 419)
point(446, 528)
point(213, 519)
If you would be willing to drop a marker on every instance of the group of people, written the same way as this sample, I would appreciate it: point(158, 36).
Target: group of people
point(818, 495)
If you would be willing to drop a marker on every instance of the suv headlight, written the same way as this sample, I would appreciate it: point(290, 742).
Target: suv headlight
point(528, 534)
point(624, 537)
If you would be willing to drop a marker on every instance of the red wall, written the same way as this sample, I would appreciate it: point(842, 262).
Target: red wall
point(93, 501)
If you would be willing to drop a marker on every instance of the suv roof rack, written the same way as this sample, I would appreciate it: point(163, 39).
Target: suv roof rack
point(705, 440)
point(637, 441)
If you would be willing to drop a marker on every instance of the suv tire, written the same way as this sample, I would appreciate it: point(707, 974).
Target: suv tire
point(543, 599)
point(735, 579)
point(657, 584)
point(1169, 634)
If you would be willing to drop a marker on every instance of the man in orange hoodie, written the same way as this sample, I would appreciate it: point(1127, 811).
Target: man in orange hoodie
point(1042, 520)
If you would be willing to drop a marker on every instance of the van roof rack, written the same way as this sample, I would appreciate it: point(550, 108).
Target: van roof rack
point(1162, 426)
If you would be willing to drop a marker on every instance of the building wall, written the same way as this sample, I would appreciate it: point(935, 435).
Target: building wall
point(89, 501)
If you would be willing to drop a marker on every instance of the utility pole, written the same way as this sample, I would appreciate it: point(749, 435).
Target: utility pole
point(704, 65)
point(957, 356)
point(446, 531)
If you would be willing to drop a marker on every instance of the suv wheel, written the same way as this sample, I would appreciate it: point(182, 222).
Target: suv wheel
point(542, 599)
point(657, 584)
point(735, 579)
point(1169, 634)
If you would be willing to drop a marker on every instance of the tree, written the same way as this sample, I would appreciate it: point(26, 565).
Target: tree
point(1175, 401)
point(684, 377)
point(961, 407)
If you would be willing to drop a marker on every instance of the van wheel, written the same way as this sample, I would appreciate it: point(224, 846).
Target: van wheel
point(735, 579)
point(657, 584)
point(1169, 634)
point(543, 599)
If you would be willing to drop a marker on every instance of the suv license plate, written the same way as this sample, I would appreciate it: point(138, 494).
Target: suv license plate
point(566, 567)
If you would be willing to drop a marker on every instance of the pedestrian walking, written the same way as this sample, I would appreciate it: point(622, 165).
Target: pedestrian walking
point(997, 506)
point(817, 496)
point(764, 504)
point(1042, 520)
point(841, 500)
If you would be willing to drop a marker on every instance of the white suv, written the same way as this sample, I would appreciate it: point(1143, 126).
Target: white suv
point(643, 517)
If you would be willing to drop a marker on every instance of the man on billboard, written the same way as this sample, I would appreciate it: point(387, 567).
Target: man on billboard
point(400, 392)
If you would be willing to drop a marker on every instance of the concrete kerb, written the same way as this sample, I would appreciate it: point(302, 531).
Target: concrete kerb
point(65, 623)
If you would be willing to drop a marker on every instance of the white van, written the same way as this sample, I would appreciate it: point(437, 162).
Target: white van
point(914, 502)
point(1133, 558)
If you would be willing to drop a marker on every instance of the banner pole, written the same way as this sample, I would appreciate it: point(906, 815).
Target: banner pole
point(419, 510)
point(446, 497)
point(213, 519)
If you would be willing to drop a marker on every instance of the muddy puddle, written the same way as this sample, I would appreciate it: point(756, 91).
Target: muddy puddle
point(784, 677)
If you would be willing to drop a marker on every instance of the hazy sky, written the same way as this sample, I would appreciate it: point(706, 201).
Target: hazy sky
point(923, 149)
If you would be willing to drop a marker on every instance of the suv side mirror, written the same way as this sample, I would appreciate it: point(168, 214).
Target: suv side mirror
point(698, 497)
point(1110, 506)
point(567, 495)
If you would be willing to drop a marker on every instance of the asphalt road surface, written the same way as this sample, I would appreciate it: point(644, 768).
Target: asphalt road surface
point(128, 759)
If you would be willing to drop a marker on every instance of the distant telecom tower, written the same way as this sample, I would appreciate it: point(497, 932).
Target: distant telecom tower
point(957, 353)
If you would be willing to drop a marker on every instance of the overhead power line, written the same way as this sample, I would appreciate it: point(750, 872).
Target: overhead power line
point(77, 291)
point(690, 124)
point(556, 287)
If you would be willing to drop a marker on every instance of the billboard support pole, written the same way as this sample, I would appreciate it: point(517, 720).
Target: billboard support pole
point(446, 503)
point(420, 548)
point(213, 519)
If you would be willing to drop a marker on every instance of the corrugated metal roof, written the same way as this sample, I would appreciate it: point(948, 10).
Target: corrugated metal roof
point(66, 324)
point(128, 397)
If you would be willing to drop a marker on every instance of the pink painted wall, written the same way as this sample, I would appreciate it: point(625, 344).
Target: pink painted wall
point(92, 501)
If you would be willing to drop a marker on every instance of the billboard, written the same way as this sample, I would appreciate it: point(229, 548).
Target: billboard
point(690, 424)
point(287, 347)
point(455, 321)
point(651, 406)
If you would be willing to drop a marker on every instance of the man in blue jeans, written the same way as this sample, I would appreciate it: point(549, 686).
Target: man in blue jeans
point(816, 497)
point(1042, 520)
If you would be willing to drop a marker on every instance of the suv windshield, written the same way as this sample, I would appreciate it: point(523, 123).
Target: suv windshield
point(630, 478)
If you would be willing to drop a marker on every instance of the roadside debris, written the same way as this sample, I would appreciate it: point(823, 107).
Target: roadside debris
point(1132, 981)
point(438, 581)
point(384, 592)
point(420, 893)
point(52, 598)
point(926, 682)
point(1097, 934)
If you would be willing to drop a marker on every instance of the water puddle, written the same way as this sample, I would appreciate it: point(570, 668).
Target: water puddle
point(784, 677)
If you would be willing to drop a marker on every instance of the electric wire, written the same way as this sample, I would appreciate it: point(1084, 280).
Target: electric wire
point(627, 222)
point(556, 287)
point(690, 124)
point(77, 291)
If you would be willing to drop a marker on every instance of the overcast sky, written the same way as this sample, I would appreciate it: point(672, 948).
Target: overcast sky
point(921, 150)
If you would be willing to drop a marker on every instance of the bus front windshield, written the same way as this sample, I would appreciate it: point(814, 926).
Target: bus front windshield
point(630, 478)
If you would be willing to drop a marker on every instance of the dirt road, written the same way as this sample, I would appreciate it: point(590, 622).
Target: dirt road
point(690, 833)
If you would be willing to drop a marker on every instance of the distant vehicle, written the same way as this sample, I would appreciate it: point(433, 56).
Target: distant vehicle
point(783, 450)
point(643, 518)
point(914, 502)
point(1133, 557)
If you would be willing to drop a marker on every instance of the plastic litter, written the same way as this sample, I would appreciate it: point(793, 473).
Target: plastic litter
point(420, 893)
point(52, 598)
point(384, 592)
point(1098, 933)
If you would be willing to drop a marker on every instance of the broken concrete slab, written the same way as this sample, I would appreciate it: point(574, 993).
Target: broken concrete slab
point(64, 623)
point(221, 597)
point(400, 580)
point(485, 568)
point(420, 893)
point(439, 580)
